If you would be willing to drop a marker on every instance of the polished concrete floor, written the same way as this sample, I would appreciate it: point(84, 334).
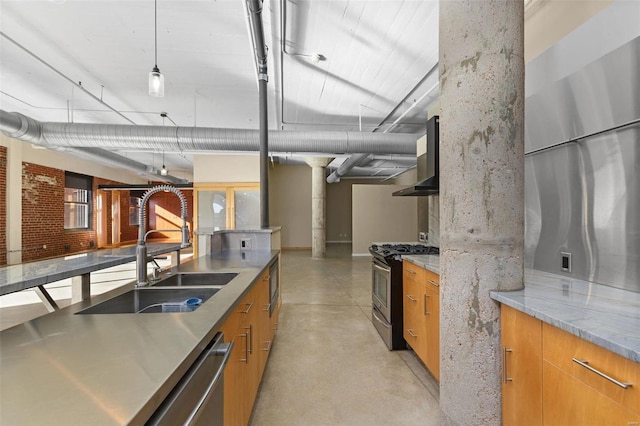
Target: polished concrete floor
point(328, 365)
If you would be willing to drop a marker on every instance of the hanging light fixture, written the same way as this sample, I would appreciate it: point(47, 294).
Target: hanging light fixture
point(163, 170)
point(156, 79)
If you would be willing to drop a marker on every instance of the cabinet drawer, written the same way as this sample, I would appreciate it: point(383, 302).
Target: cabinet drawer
point(432, 279)
point(568, 401)
point(412, 272)
point(561, 348)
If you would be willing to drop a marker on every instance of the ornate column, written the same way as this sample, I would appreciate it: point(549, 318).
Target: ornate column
point(481, 197)
point(318, 202)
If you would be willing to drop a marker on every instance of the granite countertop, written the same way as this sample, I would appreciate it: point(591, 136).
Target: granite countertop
point(113, 368)
point(27, 275)
point(606, 316)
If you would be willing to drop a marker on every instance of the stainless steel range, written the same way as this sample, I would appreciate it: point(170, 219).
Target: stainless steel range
point(386, 288)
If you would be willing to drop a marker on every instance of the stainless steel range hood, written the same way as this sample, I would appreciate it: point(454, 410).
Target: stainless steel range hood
point(431, 185)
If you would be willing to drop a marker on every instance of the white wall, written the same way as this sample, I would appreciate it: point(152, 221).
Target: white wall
point(222, 167)
point(290, 204)
point(380, 217)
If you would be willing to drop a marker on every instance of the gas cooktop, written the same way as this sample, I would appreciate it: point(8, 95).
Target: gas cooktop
point(386, 250)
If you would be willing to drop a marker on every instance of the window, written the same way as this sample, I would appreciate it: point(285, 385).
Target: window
point(77, 201)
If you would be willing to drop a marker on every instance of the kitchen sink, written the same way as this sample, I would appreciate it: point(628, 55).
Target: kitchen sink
point(196, 279)
point(153, 300)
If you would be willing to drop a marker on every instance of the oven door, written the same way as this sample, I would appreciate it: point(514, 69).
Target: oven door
point(381, 288)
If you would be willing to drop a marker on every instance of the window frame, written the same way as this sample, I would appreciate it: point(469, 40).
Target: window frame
point(79, 182)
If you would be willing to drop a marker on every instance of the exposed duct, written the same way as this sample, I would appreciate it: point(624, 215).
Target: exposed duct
point(200, 139)
point(348, 164)
point(27, 129)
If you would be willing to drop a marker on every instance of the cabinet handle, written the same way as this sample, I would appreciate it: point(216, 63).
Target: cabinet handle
point(268, 348)
point(505, 378)
point(410, 297)
point(410, 271)
point(249, 305)
point(411, 333)
point(267, 307)
point(246, 348)
point(584, 363)
point(250, 338)
point(425, 305)
point(433, 283)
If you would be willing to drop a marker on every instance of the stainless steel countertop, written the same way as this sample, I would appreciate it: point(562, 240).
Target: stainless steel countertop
point(27, 275)
point(112, 369)
point(606, 316)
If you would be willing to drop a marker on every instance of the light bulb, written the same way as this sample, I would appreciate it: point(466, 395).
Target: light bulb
point(164, 171)
point(156, 83)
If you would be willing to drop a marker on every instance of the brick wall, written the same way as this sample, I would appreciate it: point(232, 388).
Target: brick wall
point(3, 205)
point(43, 233)
point(42, 212)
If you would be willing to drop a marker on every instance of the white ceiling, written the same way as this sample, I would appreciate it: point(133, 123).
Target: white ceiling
point(374, 67)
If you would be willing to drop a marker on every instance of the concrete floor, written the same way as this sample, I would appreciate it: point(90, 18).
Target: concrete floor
point(328, 365)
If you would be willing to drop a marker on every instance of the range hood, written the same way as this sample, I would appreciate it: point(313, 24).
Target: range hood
point(431, 185)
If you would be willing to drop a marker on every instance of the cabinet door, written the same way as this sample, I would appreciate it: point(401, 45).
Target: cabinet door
point(521, 368)
point(235, 371)
point(432, 310)
point(414, 317)
point(263, 335)
point(568, 401)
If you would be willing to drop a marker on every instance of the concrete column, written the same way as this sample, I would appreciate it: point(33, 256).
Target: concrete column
point(318, 202)
point(14, 201)
point(481, 197)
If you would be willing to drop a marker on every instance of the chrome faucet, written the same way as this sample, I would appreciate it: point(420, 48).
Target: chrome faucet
point(141, 248)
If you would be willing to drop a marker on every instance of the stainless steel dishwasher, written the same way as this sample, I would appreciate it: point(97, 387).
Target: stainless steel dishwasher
point(198, 398)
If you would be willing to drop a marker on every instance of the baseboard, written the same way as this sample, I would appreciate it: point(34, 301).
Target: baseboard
point(339, 242)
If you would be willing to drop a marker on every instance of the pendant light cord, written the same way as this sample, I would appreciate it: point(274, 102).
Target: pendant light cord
point(155, 29)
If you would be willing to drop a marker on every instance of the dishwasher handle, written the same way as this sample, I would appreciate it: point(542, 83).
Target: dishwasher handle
point(221, 349)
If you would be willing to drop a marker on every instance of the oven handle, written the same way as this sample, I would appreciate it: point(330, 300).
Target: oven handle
point(378, 265)
point(384, 324)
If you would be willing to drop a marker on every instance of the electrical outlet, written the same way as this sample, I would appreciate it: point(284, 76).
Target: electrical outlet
point(44, 246)
point(566, 261)
point(245, 243)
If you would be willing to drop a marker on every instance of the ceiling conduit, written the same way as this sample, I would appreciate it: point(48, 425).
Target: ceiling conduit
point(199, 139)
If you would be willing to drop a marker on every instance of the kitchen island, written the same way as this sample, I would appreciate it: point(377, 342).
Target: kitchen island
point(107, 369)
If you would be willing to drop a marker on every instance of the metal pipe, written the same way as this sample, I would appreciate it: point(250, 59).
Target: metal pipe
point(194, 139)
point(255, 17)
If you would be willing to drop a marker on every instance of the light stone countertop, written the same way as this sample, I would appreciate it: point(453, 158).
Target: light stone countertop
point(606, 316)
point(31, 274)
point(108, 369)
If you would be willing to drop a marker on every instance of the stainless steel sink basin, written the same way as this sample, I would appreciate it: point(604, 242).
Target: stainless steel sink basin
point(196, 279)
point(153, 300)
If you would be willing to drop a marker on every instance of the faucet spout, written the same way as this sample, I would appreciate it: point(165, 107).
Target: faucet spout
point(141, 247)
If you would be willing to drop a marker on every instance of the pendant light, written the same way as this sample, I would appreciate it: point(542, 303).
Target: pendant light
point(156, 79)
point(164, 170)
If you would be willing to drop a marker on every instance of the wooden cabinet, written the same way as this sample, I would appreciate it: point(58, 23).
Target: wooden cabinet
point(521, 368)
point(264, 336)
point(549, 377)
point(414, 318)
point(421, 314)
point(432, 312)
point(250, 328)
point(594, 372)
